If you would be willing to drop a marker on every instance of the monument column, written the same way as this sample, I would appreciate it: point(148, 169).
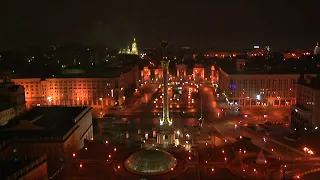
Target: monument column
point(165, 66)
point(166, 135)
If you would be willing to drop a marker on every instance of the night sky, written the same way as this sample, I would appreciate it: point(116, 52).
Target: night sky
point(231, 24)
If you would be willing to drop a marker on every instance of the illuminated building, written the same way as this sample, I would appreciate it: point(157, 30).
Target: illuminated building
point(259, 51)
point(181, 71)
point(220, 54)
point(291, 55)
point(214, 75)
point(95, 92)
point(132, 50)
point(145, 74)
point(198, 73)
point(296, 54)
point(259, 88)
point(305, 115)
point(56, 132)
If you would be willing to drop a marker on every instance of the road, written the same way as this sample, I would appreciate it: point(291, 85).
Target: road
point(143, 114)
point(228, 126)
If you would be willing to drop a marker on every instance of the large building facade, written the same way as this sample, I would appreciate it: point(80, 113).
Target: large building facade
point(95, 92)
point(305, 115)
point(197, 74)
point(259, 89)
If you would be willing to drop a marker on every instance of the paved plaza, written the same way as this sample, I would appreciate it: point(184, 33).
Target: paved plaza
point(213, 149)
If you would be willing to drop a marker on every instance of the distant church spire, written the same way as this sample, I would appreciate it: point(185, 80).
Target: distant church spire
point(134, 49)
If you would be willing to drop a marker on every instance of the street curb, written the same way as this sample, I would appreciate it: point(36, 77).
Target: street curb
point(280, 143)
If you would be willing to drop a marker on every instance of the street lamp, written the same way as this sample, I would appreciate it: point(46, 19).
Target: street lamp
point(178, 133)
point(100, 99)
point(258, 97)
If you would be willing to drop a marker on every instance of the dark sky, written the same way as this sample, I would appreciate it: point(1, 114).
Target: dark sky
point(195, 23)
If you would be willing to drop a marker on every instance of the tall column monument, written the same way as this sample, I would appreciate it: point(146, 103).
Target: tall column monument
point(166, 134)
point(165, 121)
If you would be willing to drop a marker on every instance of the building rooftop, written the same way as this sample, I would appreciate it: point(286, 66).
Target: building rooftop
point(312, 82)
point(4, 106)
point(76, 72)
point(14, 164)
point(278, 70)
point(43, 122)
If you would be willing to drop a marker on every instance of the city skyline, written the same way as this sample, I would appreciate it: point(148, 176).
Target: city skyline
point(201, 25)
point(86, 113)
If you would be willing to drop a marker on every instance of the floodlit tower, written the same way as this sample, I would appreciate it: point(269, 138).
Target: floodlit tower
point(165, 66)
point(134, 49)
point(166, 135)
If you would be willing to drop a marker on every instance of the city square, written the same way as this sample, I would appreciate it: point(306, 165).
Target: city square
point(205, 141)
point(155, 90)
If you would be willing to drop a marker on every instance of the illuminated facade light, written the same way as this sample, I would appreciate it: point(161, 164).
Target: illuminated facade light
point(258, 97)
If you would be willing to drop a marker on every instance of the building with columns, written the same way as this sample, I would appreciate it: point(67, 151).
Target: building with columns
point(198, 74)
point(182, 71)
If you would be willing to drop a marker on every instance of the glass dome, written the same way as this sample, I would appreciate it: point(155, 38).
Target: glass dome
point(150, 161)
